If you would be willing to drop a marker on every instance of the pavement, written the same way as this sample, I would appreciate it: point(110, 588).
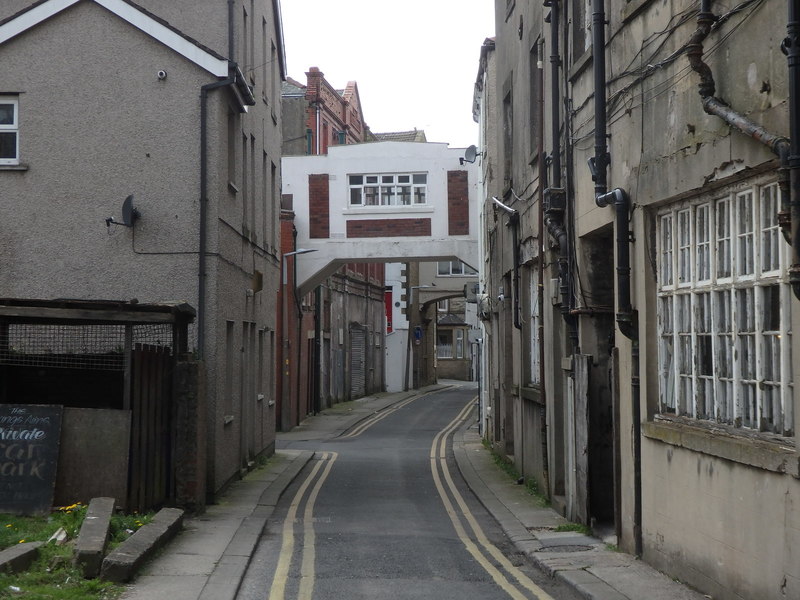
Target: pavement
point(207, 560)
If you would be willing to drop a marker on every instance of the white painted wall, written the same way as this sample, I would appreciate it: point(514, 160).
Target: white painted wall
point(381, 157)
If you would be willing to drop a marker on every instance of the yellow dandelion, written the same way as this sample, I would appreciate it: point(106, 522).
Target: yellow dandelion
point(9, 525)
point(22, 541)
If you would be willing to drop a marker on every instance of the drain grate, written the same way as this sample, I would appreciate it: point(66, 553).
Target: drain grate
point(565, 548)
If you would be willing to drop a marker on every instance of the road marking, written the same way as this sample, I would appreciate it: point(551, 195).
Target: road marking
point(307, 572)
point(439, 460)
point(278, 589)
point(370, 421)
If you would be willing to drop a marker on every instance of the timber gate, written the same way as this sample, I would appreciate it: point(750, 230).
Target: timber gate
point(110, 365)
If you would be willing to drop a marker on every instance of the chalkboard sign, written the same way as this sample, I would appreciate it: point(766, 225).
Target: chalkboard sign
point(29, 440)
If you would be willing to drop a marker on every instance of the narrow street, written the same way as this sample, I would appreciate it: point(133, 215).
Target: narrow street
point(382, 512)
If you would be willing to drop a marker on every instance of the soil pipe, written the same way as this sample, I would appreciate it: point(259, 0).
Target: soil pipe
point(231, 36)
point(555, 92)
point(540, 274)
point(201, 262)
point(787, 150)
point(626, 317)
point(791, 46)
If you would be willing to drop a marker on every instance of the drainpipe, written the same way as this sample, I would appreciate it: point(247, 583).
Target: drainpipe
point(787, 150)
point(540, 295)
point(791, 46)
point(231, 38)
point(626, 317)
point(201, 275)
point(555, 199)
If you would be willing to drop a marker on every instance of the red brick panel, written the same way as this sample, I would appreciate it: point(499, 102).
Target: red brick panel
point(388, 228)
point(457, 203)
point(319, 208)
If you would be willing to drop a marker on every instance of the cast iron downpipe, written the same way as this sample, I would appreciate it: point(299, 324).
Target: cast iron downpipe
point(626, 316)
point(201, 267)
point(787, 150)
point(556, 205)
point(201, 275)
point(791, 46)
point(542, 249)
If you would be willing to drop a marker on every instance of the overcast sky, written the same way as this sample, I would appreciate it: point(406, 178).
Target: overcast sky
point(415, 62)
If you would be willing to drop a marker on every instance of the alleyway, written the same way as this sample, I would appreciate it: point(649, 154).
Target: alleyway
point(382, 512)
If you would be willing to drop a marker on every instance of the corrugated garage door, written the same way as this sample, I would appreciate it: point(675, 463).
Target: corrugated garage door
point(357, 361)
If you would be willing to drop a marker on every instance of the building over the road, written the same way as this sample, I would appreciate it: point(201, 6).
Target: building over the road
point(176, 105)
point(639, 310)
point(384, 202)
point(317, 370)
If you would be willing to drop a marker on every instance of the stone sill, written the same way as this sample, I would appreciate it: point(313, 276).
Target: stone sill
point(20, 167)
point(533, 394)
point(777, 455)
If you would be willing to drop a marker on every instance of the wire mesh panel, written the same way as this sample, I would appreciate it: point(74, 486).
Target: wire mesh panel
point(96, 347)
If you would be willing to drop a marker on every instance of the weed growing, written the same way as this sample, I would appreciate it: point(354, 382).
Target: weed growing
point(52, 576)
point(508, 467)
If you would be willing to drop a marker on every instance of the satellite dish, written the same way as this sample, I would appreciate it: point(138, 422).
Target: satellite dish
point(470, 154)
point(129, 213)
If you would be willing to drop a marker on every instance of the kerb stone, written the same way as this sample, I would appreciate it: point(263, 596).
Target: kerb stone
point(90, 547)
point(121, 564)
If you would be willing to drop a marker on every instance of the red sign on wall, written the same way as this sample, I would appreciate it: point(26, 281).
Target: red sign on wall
point(387, 299)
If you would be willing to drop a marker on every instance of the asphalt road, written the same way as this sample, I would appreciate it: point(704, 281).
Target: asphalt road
point(382, 513)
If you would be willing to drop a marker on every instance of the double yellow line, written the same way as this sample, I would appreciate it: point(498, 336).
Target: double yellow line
point(480, 548)
point(379, 416)
point(307, 575)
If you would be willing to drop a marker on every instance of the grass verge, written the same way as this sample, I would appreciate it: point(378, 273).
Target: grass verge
point(52, 576)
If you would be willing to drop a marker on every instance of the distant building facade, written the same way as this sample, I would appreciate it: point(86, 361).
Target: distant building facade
point(333, 349)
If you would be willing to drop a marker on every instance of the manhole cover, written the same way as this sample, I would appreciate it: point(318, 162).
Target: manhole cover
point(565, 548)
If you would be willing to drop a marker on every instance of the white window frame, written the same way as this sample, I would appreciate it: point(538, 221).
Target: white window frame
point(387, 189)
point(724, 311)
point(534, 335)
point(12, 127)
point(454, 268)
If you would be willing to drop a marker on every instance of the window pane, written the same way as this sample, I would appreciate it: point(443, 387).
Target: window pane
point(723, 238)
point(370, 195)
point(443, 268)
point(355, 196)
point(703, 239)
point(746, 232)
point(684, 247)
point(356, 179)
point(404, 194)
point(7, 114)
point(387, 178)
point(403, 179)
point(420, 178)
point(666, 250)
point(8, 144)
point(419, 195)
point(770, 233)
